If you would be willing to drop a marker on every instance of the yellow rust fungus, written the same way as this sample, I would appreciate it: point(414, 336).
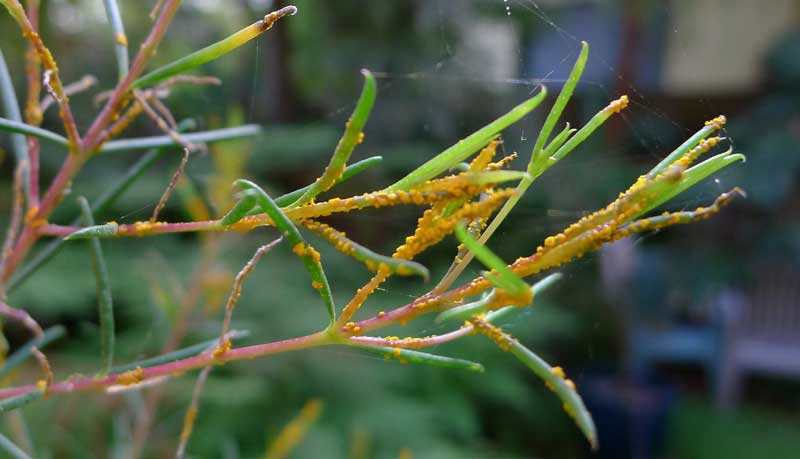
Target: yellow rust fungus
point(303, 250)
point(502, 163)
point(43, 386)
point(482, 160)
point(558, 372)
point(131, 377)
point(221, 350)
point(493, 332)
point(141, 228)
point(618, 105)
point(31, 214)
point(717, 122)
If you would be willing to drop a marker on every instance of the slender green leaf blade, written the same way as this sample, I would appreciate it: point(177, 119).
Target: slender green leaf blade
point(12, 111)
point(11, 449)
point(560, 104)
point(143, 143)
point(245, 203)
point(558, 141)
point(97, 231)
point(409, 356)
point(538, 288)
point(350, 138)
point(371, 259)
point(692, 177)
point(464, 148)
point(690, 143)
point(509, 280)
point(349, 172)
point(120, 39)
point(468, 310)
point(105, 301)
point(33, 131)
point(573, 404)
point(214, 51)
point(309, 256)
point(13, 403)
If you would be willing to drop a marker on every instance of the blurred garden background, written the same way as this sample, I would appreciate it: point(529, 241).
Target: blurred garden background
point(684, 343)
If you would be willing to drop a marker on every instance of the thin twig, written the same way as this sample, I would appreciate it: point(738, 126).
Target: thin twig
point(165, 113)
point(16, 216)
point(22, 316)
point(236, 290)
point(171, 186)
point(191, 412)
point(141, 97)
point(123, 122)
point(33, 114)
point(155, 9)
point(73, 88)
point(146, 52)
point(51, 79)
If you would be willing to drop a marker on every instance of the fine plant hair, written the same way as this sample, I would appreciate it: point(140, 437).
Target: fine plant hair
point(465, 192)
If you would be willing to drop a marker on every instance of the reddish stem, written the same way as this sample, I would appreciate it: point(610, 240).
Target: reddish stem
point(92, 140)
point(180, 366)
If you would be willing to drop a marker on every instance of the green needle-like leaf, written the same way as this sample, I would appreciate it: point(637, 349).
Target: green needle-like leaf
point(350, 138)
point(21, 354)
point(349, 172)
point(464, 148)
point(12, 111)
point(215, 51)
point(558, 141)
point(105, 300)
point(538, 288)
point(683, 148)
point(372, 260)
point(245, 203)
point(216, 135)
point(11, 449)
point(12, 403)
point(33, 131)
point(504, 278)
point(693, 176)
point(99, 231)
point(542, 163)
point(120, 39)
point(468, 310)
point(493, 177)
point(307, 253)
point(462, 313)
point(407, 355)
point(559, 105)
point(573, 404)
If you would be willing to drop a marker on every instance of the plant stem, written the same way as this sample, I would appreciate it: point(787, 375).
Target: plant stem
point(180, 366)
point(146, 52)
